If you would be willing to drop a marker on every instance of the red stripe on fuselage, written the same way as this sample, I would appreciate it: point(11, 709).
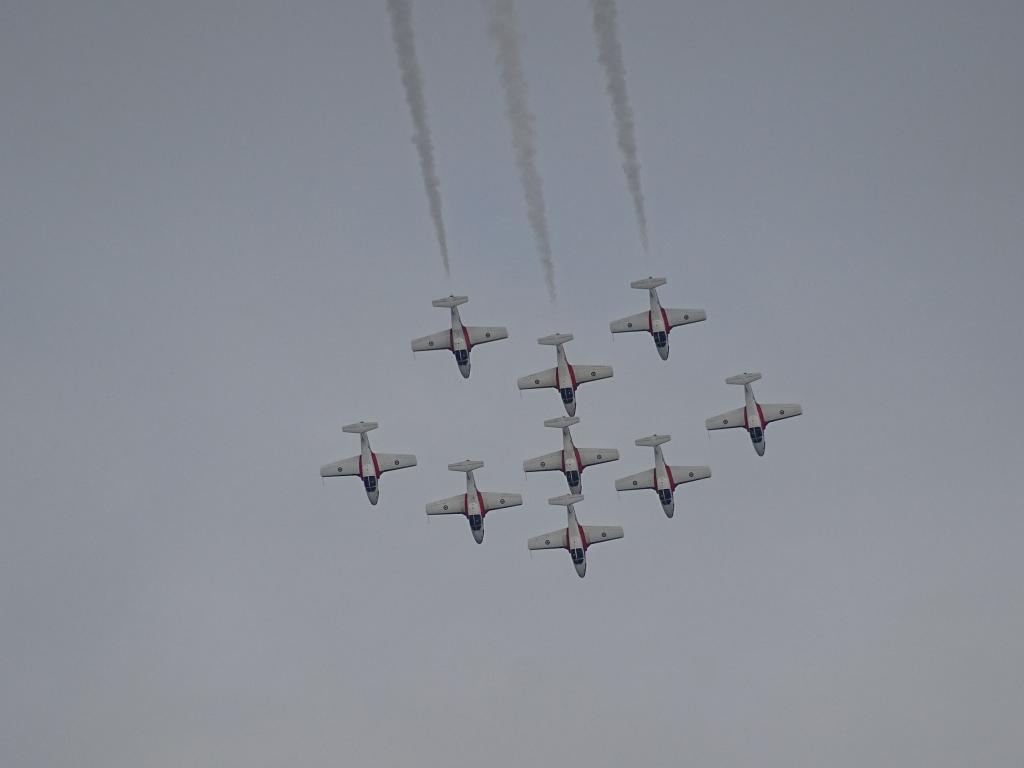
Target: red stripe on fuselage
point(579, 461)
point(760, 415)
point(483, 509)
point(583, 537)
point(671, 480)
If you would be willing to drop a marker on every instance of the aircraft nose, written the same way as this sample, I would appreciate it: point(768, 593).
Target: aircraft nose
point(663, 351)
point(373, 496)
point(670, 509)
point(570, 408)
point(464, 370)
point(759, 447)
point(581, 568)
point(479, 535)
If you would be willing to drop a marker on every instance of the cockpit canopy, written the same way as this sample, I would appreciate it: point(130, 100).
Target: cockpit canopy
point(461, 356)
point(370, 483)
point(577, 555)
point(476, 522)
point(567, 394)
point(573, 477)
point(660, 338)
point(665, 495)
point(756, 434)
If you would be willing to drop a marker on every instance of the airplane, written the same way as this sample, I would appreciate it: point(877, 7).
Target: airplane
point(565, 377)
point(571, 461)
point(662, 478)
point(473, 504)
point(368, 466)
point(657, 321)
point(460, 339)
point(575, 537)
point(754, 416)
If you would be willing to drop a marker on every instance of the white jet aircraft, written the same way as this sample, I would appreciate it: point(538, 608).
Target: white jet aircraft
point(460, 339)
point(754, 416)
point(571, 461)
point(657, 321)
point(575, 537)
point(473, 503)
point(662, 478)
point(368, 466)
point(565, 377)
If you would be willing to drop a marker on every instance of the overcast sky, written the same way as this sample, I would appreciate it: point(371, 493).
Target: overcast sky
point(215, 247)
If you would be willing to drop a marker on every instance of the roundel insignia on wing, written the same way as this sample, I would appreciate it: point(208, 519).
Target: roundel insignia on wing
point(536, 381)
point(603, 534)
point(488, 334)
point(593, 373)
point(543, 463)
point(430, 343)
point(547, 541)
point(629, 325)
point(781, 412)
point(691, 474)
point(634, 482)
point(599, 455)
point(501, 501)
point(445, 507)
point(725, 421)
point(686, 317)
point(341, 469)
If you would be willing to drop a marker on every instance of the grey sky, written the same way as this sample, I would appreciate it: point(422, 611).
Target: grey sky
point(215, 249)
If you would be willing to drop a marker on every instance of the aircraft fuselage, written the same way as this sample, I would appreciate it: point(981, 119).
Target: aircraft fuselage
point(461, 345)
point(658, 322)
point(754, 420)
point(565, 381)
point(577, 543)
point(369, 471)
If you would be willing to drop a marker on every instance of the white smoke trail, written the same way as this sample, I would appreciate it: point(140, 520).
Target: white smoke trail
point(404, 36)
point(503, 29)
point(609, 53)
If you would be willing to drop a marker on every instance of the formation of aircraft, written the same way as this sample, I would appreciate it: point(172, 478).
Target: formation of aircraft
point(458, 338)
point(657, 321)
point(570, 461)
point(474, 504)
point(662, 478)
point(754, 417)
point(367, 465)
point(565, 377)
point(575, 537)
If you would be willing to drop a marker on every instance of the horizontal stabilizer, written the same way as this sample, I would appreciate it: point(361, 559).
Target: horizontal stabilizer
point(743, 378)
point(566, 500)
point(652, 440)
point(465, 466)
point(648, 283)
point(562, 422)
point(555, 339)
point(449, 302)
point(359, 427)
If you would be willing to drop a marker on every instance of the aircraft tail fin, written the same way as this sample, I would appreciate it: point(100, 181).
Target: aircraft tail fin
point(652, 441)
point(465, 466)
point(562, 422)
point(555, 339)
point(648, 283)
point(743, 378)
point(566, 500)
point(359, 427)
point(450, 302)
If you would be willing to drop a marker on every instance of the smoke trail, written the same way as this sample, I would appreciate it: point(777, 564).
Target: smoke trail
point(609, 53)
point(400, 12)
point(503, 29)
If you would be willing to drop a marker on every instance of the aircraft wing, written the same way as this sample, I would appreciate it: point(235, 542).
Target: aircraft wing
point(439, 340)
point(682, 475)
point(545, 463)
point(595, 534)
point(500, 500)
point(777, 411)
point(341, 468)
point(638, 322)
point(728, 420)
point(638, 482)
point(390, 461)
point(591, 456)
point(482, 335)
point(455, 505)
point(555, 540)
point(539, 380)
point(684, 316)
point(585, 373)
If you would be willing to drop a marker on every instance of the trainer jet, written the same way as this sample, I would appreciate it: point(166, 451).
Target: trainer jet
point(459, 338)
point(662, 478)
point(575, 537)
point(474, 504)
point(754, 416)
point(564, 377)
point(368, 466)
point(657, 321)
point(570, 461)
